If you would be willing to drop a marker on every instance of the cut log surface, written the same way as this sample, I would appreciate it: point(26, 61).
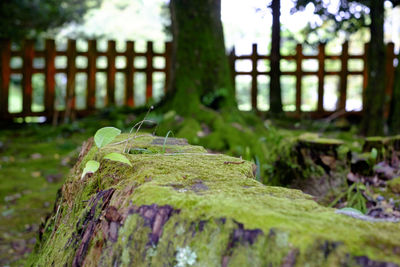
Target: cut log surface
point(181, 206)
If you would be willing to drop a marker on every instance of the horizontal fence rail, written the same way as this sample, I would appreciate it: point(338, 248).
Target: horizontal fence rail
point(49, 54)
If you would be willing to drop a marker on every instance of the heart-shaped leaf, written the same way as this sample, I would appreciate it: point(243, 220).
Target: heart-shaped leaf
point(105, 135)
point(91, 167)
point(118, 157)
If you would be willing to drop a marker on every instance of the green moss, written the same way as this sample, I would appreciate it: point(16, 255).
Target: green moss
point(394, 185)
point(228, 195)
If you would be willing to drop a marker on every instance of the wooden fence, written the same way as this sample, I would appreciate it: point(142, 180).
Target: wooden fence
point(321, 73)
point(49, 54)
point(28, 54)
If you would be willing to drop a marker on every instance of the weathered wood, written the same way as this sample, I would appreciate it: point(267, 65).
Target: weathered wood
point(199, 209)
point(343, 76)
point(321, 77)
point(5, 72)
point(111, 70)
point(149, 71)
point(27, 69)
point(28, 53)
point(232, 59)
point(91, 75)
point(70, 100)
point(254, 74)
point(50, 72)
point(365, 72)
point(299, 72)
point(168, 51)
point(390, 69)
point(129, 72)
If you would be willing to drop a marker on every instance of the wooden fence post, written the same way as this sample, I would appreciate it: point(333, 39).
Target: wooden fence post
point(129, 72)
point(5, 71)
point(27, 72)
point(71, 77)
point(111, 70)
point(168, 66)
point(390, 56)
point(149, 71)
point(365, 72)
point(343, 76)
point(321, 77)
point(254, 89)
point(50, 72)
point(91, 75)
point(299, 74)
point(232, 59)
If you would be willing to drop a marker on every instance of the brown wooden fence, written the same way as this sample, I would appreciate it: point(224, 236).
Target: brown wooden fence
point(28, 53)
point(321, 73)
point(49, 53)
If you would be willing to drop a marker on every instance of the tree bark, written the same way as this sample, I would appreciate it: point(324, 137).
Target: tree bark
point(200, 71)
point(275, 97)
point(394, 115)
point(373, 121)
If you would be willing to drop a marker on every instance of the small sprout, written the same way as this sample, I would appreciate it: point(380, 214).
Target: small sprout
point(91, 167)
point(185, 257)
point(118, 157)
point(105, 135)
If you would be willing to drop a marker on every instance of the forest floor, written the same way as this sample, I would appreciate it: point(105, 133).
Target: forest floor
point(35, 159)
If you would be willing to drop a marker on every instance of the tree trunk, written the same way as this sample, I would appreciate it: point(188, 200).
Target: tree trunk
point(200, 71)
point(373, 120)
point(275, 97)
point(394, 116)
point(186, 207)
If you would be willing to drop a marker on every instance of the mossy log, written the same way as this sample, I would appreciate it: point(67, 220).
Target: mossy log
point(181, 206)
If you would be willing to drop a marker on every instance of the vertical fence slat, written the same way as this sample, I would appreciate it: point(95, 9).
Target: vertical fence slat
point(50, 72)
point(390, 56)
point(321, 76)
point(168, 53)
point(129, 72)
point(232, 59)
point(91, 75)
point(149, 71)
point(71, 77)
point(27, 72)
point(299, 74)
point(365, 72)
point(5, 56)
point(254, 89)
point(111, 70)
point(344, 57)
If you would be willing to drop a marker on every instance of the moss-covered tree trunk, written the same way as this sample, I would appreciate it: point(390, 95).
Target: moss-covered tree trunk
point(394, 116)
point(186, 207)
point(275, 98)
point(200, 70)
point(373, 122)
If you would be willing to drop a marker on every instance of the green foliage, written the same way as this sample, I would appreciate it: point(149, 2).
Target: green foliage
point(351, 16)
point(91, 167)
point(354, 198)
point(21, 19)
point(114, 156)
point(105, 135)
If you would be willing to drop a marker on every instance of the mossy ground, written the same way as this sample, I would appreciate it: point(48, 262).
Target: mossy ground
point(217, 189)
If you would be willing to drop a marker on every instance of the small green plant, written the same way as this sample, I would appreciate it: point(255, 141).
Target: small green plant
point(354, 198)
point(105, 136)
point(165, 140)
